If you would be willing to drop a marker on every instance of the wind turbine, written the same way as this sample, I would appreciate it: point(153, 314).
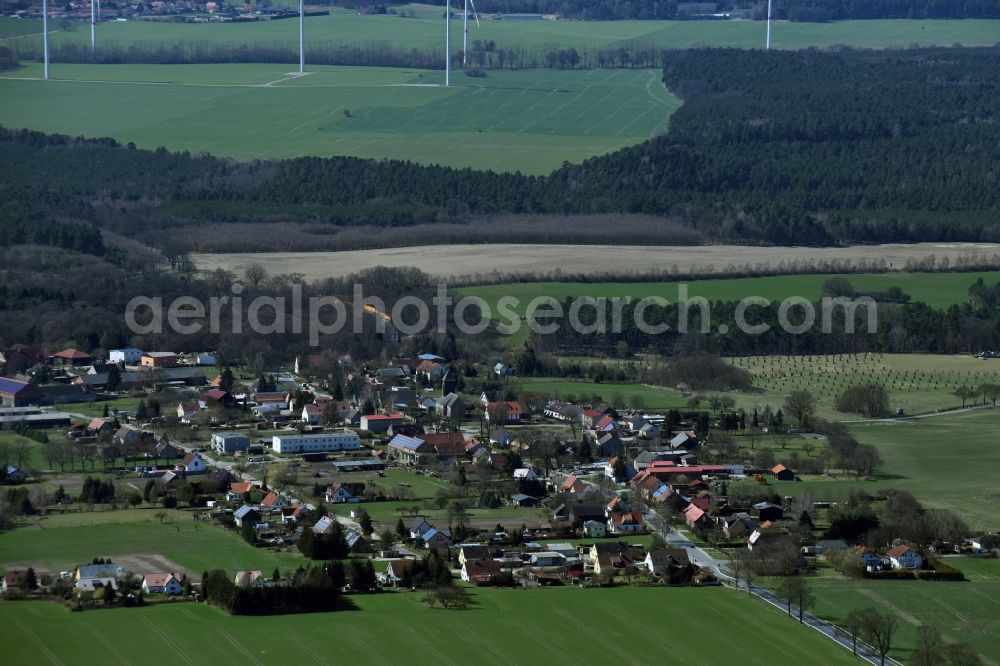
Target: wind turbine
point(447, 43)
point(45, 35)
point(768, 43)
point(465, 27)
point(302, 36)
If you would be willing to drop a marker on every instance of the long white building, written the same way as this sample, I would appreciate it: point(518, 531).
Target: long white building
point(344, 440)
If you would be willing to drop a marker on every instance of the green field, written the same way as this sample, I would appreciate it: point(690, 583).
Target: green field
point(427, 32)
point(618, 395)
point(938, 290)
point(552, 626)
point(966, 612)
point(195, 546)
point(529, 120)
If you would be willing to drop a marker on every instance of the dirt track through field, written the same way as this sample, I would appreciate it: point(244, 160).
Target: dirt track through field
point(450, 261)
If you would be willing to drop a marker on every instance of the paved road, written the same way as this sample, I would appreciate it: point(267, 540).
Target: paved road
point(865, 651)
point(675, 539)
point(925, 415)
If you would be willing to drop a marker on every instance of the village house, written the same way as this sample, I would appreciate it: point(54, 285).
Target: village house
point(871, 560)
point(13, 580)
point(626, 523)
point(659, 560)
point(395, 570)
point(193, 463)
point(71, 357)
point(230, 442)
point(340, 494)
point(312, 414)
point(522, 500)
point(904, 557)
point(273, 502)
point(92, 576)
point(249, 579)
point(738, 526)
point(479, 571)
point(436, 539)
point(504, 413)
point(238, 490)
point(188, 410)
point(161, 583)
point(246, 514)
point(451, 406)
point(693, 516)
point(768, 511)
point(595, 529)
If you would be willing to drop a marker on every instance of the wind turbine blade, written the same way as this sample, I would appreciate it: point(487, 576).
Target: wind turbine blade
point(474, 12)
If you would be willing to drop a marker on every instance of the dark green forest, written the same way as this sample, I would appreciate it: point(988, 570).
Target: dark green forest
point(810, 147)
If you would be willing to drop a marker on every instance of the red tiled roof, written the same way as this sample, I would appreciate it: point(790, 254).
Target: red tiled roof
point(158, 579)
point(71, 353)
point(778, 468)
point(241, 487)
point(899, 550)
point(383, 417)
point(271, 498)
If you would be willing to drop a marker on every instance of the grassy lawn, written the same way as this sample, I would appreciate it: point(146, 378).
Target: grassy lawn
point(195, 546)
point(946, 462)
point(965, 612)
point(425, 32)
point(95, 409)
point(616, 394)
point(511, 120)
point(554, 626)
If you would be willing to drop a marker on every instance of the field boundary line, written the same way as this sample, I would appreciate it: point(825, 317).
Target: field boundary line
point(38, 642)
point(236, 644)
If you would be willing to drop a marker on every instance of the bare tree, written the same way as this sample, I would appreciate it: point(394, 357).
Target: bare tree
point(879, 629)
point(853, 625)
point(255, 274)
point(929, 650)
point(801, 405)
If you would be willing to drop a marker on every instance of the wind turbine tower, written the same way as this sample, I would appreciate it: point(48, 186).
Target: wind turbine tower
point(45, 35)
point(465, 29)
point(302, 36)
point(447, 43)
point(767, 46)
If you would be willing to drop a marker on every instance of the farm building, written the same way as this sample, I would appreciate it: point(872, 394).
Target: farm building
point(158, 359)
point(14, 393)
point(782, 473)
point(128, 356)
point(380, 423)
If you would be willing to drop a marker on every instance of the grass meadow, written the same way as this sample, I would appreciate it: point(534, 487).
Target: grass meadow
point(68, 540)
point(966, 611)
point(425, 32)
point(938, 290)
point(530, 120)
point(554, 626)
point(949, 462)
